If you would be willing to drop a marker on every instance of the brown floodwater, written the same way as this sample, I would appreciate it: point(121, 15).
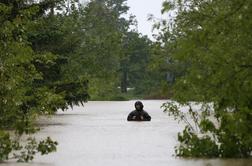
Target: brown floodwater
point(99, 135)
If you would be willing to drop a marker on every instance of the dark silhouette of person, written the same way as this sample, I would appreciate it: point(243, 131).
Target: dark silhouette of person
point(139, 114)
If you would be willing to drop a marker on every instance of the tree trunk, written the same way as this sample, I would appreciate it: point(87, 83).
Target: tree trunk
point(124, 82)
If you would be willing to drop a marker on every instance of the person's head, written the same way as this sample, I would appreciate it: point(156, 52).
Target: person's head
point(139, 105)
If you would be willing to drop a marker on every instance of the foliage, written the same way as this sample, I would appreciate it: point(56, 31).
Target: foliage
point(212, 39)
point(136, 67)
point(32, 147)
point(31, 80)
point(133, 64)
point(24, 152)
point(97, 35)
point(101, 46)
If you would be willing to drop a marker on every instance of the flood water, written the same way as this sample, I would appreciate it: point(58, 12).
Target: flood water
point(99, 135)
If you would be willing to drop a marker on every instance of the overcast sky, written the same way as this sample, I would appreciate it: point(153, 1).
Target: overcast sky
point(141, 9)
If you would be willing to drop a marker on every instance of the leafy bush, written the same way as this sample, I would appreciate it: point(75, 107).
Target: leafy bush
point(211, 40)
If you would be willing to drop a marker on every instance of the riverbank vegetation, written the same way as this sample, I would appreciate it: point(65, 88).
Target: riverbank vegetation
point(210, 42)
point(32, 78)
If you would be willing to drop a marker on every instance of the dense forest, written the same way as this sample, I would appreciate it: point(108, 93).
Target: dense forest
point(55, 54)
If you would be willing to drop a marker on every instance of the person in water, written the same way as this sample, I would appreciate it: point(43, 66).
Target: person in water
point(139, 114)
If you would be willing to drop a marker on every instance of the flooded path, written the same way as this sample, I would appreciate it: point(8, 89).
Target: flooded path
point(99, 135)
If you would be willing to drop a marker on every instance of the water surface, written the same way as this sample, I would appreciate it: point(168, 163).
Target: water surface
point(99, 135)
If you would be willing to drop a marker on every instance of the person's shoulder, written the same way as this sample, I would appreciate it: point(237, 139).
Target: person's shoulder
point(133, 112)
point(145, 112)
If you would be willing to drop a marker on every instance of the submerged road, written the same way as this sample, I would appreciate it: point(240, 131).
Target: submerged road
point(99, 135)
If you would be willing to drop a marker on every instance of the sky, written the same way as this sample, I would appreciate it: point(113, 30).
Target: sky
point(141, 9)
